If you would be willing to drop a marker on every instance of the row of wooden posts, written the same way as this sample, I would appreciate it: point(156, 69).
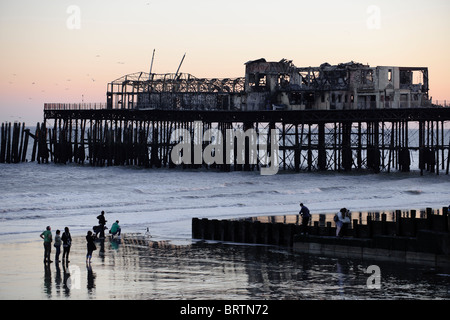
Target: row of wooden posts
point(257, 232)
point(99, 143)
point(148, 143)
point(124, 146)
point(14, 142)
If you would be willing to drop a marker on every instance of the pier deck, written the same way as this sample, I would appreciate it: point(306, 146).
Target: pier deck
point(308, 140)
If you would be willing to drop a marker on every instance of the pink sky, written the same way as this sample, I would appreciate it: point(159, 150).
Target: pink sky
point(67, 51)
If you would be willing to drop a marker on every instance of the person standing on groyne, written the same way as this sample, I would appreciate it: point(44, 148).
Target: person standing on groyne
point(304, 212)
point(47, 236)
point(342, 220)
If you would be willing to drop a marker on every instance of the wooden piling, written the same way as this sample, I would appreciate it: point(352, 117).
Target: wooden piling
point(414, 222)
point(429, 218)
point(398, 222)
point(25, 145)
point(3, 144)
point(195, 228)
point(8, 144)
point(35, 142)
point(445, 213)
point(19, 158)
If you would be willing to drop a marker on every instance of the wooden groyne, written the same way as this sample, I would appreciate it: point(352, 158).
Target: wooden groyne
point(405, 236)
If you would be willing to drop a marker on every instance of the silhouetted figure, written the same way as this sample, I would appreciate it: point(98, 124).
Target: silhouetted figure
point(101, 223)
point(67, 243)
point(90, 246)
point(304, 212)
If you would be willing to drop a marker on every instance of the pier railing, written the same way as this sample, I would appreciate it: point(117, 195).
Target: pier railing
point(75, 106)
point(442, 103)
point(103, 106)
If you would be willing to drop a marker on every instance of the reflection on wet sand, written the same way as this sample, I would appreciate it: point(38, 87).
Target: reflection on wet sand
point(138, 268)
point(90, 280)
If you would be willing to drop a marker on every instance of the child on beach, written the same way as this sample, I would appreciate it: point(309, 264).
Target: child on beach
point(57, 245)
point(90, 246)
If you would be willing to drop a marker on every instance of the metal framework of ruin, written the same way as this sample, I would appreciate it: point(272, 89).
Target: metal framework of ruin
point(173, 91)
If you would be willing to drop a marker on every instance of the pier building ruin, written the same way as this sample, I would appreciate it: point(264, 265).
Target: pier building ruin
point(276, 86)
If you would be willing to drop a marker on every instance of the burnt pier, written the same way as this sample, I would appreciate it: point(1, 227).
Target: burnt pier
point(278, 116)
point(379, 140)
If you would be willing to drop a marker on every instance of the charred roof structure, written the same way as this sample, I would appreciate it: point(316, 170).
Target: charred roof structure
point(350, 85)
point(276, 86)
point(174, 91)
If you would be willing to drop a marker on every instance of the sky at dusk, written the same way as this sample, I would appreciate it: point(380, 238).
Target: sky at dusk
point(67, 51)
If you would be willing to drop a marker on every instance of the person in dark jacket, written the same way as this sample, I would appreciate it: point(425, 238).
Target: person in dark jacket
point(90, 246)
point(304, 212)
point(67, 243)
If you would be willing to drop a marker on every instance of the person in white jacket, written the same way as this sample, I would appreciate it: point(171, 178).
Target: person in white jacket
point(341, 222)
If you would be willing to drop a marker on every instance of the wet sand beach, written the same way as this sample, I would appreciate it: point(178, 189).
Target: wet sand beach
point(140, 268)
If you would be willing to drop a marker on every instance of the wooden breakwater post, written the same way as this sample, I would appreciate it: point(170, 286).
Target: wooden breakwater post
point(244, 231)
point(13, 142)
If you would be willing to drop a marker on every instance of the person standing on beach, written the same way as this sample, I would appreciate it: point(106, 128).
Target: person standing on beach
point(90, 246)
point(67, 242)
point(102, 223)
point(57, 245)
point(304, 212)
point(47, 236)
